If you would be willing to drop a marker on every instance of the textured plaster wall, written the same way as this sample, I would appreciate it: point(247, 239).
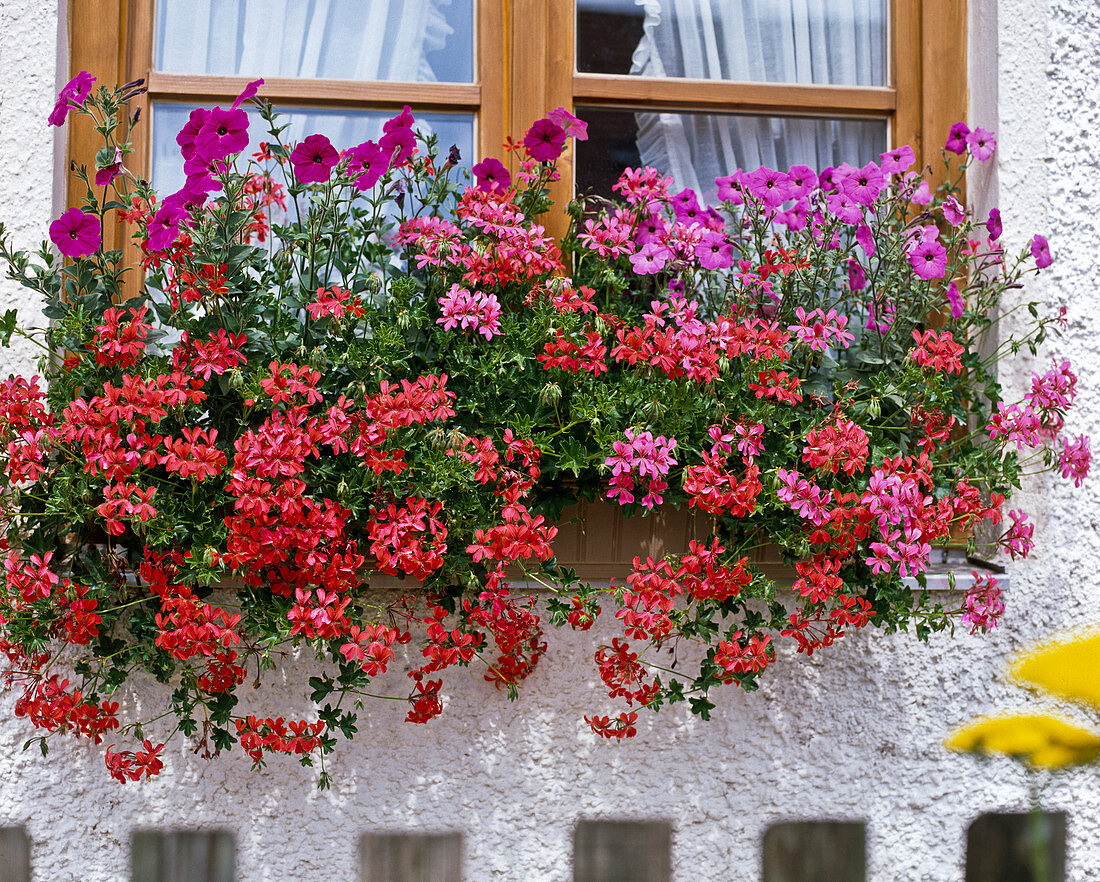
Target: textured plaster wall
point(854, 734)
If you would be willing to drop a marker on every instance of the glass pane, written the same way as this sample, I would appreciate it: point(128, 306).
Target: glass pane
point(421, 41)
point(837, 42)
point(695, 148)
point(344, 128)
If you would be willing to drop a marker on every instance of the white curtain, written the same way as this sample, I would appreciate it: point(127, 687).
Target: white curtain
point(838, 42)
point(332, 39)
point(389, 40)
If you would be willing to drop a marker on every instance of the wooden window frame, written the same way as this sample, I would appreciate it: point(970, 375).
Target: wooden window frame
point(530, 68)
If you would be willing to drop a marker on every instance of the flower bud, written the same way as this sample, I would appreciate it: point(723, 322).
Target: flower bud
point(234, 378)
point(550, 394)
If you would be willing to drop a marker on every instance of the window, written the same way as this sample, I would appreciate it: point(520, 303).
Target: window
point(181, 856)
point(622, 851)
point(410, 857)
point(1016, 847)
point(15, 854)
point(815, 851)
point(694, 83)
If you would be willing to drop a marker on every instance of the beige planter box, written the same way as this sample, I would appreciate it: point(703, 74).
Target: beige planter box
point(599, 543)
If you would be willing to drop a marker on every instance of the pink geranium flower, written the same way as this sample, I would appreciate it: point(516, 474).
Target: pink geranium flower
point(75, 233)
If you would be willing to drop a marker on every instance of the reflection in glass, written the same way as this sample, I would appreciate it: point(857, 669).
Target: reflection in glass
point(344, 128)
point(420, 41)
point(695, 148)
point(836, 42)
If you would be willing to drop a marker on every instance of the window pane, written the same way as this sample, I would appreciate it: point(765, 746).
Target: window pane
point(695, 148)
point(421, 41)
point(410, 857)
point(344, 128)
point(838, 42)
point(622, 851)
point(815, 851)
point(181, 856)
point(15, 855)
point(1017, 848)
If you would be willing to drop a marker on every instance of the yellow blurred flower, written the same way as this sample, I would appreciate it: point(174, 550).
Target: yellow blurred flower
point(1067, 666)
point(1040, 740)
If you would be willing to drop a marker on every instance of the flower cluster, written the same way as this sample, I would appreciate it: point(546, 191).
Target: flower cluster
point(403, 376)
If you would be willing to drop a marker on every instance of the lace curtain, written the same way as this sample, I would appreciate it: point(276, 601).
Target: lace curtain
point(838, 42)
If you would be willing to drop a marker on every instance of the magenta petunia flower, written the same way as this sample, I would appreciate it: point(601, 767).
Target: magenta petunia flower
point(366, 164)
point(981, 144)
point(771, 187)
point(108, 173)
point(398, 144)
point(866, 239)
point(953, 212)
point(954, 298)
point(863, 185)
point(492, 176)
point(802, 181)
point(844, 208)
point(714, 252)
point(650, 259)
point(857, 278)
point(403, 120)
point(73, 93)
point(993, 224)
point(223, 133)
point(249, 91)
point(928, 259)
point(729, 188)
point(897, 161)
point(186, 137)
point(314, 159)
point(956, 138)
point(573, 127)
point(1040, 250)
point(75, 233)
point(545, 140)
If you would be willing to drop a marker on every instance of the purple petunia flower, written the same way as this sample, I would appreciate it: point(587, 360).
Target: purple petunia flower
point(399, 145)
point(828, 179)
point(249, 91)
point(857, 279)
point(573, 127)
point(545, 140)
point(190, 130)
point(953, 211)
point(769, 186)
point(981, 144)
point(928, 258)
point(492, 176)
point(956, 138)
point(863, 185)
point(714, 252)
point(223, 133)
point(841, 205)
point(897, 161)
point(1040, 250)
point(75, 233)
point(650, 259)
point(314, 159)
point(802, 180)
point(73, 93)
point(993, 224)
point(954, 298)
point(729, 188)
point(366, 164)
point(865, 239)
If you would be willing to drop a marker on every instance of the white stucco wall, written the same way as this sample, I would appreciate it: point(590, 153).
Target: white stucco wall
point(853, 734)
